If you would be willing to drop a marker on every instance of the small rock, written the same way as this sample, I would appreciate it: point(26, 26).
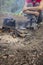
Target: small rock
point(4, 57)
point(11, 55)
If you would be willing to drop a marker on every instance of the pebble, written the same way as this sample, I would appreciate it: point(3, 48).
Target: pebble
point(4, 57)
point(11, 55)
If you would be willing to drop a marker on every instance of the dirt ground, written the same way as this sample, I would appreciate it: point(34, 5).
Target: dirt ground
point(22, 51)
